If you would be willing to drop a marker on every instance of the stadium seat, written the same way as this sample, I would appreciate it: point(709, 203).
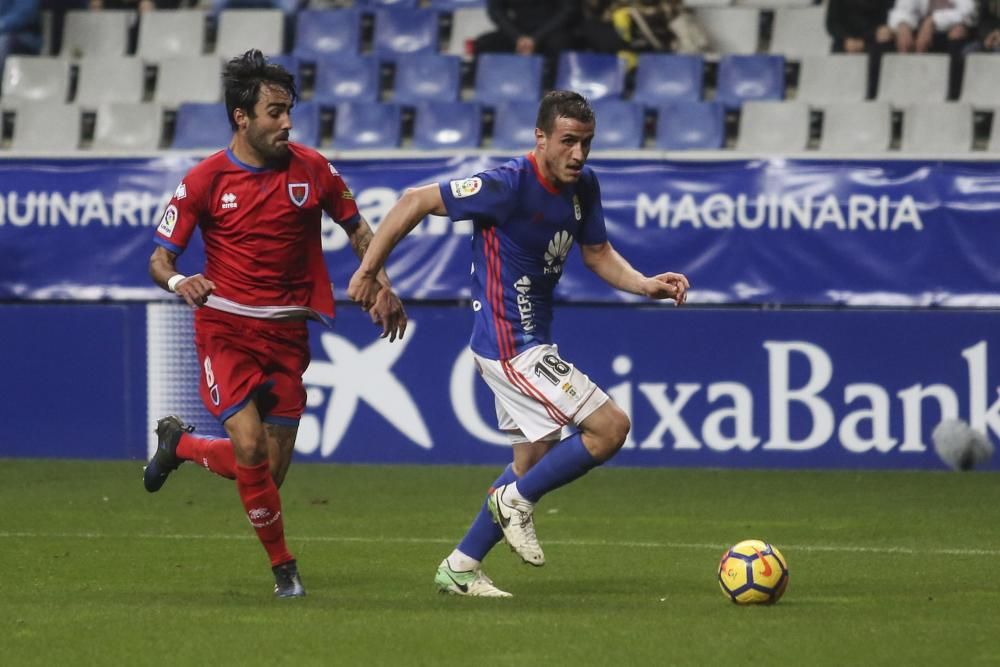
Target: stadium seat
point(321, 33)
point(682, 126)
point(937, 128)
point(191, 79)
point(447, 125)
point(243, 29)
point(90, 33)
point(306, 124)
point(452, 5)
point(774, 4)
point(800, 31)
point(661, 78)
point(979, 82)
point(507, 77)
point(168, 33)
point(593, 75)
point(289, 62)
point(104, 79)
point(35, 79)
point(773, 127)
point(707, 3)
point(288, 7)
point(834, 78)
point(620, 125)
point(863, 128)
point(427, 77)
point(366, 125)
point(913, 78)
point(514, 126)
point(346, 79)
point(401, 32)
point(467, 23)
point(201, 125)
point(750, 78)
point(393, 4)
point(46, 126)
point(128, 127)
point(731, 29)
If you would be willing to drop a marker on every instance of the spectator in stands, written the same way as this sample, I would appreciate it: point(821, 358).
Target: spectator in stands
point(528, 27)
point(940, 26)
point(988, 34)
point(628, 27)
point(20, 28)
point(861, 26)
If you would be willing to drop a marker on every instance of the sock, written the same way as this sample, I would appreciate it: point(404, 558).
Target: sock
point(263, 505)
point(216, 454)
point(565, 462)
point(483, 534)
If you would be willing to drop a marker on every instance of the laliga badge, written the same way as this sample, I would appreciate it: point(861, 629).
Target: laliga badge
point(298, 193)
point(466, 188)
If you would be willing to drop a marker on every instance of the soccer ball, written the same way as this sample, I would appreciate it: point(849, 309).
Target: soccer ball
point(753, 572)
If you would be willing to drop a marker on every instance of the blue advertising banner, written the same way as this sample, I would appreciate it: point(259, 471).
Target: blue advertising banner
point(734, 388)
point(757, 232)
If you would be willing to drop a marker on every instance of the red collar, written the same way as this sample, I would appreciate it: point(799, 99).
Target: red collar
point(551, 189)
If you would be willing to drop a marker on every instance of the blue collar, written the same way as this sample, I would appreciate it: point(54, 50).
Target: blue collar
point(243, 165)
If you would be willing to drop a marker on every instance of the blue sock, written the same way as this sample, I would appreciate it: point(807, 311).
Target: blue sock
point(565, 462)
point(483, 534)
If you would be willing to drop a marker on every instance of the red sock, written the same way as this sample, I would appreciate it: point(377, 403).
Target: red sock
point(216, 454)
point(263, 505)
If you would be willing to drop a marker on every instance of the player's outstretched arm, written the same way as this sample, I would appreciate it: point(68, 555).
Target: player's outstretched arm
point(387, 311)
point(163, 270)
point(615, 270)
point(412, 207)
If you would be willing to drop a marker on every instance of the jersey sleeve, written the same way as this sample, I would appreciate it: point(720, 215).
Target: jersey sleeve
point(592, 228)
point(182, 215)
point(338, 200)
point(487, 196)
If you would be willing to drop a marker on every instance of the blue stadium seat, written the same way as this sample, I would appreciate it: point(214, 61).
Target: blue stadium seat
point(506, 77)
point(447, 125)
point(593, 75)
point(290, 63)
point(393, 4)
point(346, 79)
point(320, 33)
point(661, 78)
point(305, 123)
point(452, 5)
point(428, 77)
point(289, 7)
point(366, 125)
point(201, 125)
point(682, 126)
point(620, 125)
point(514, 126)
point(742, 78)
point(401, 32)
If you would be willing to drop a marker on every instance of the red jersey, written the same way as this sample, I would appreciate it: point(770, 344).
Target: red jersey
point(261, 228)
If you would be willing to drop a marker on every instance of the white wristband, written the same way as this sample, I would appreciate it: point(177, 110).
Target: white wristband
point(174, 281)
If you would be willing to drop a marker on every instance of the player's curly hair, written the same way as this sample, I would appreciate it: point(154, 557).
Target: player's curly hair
point(243, 77)
point(562, 104)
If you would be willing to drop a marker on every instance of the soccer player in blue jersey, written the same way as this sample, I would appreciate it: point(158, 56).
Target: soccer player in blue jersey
point(526, 214)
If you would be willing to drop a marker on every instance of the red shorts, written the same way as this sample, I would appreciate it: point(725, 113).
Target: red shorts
point(244, 358)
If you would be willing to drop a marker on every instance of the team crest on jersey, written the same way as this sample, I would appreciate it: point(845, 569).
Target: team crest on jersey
point(298, 193)
point(577, 211)
point(466, 188)
point(168, 221)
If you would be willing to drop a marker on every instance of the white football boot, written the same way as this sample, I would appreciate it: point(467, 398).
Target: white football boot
point(515, 519)
point(472, 583)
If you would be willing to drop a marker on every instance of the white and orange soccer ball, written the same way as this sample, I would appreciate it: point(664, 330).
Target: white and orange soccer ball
point(753, 572)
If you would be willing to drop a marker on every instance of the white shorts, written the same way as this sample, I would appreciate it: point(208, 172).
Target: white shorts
point(537, 393)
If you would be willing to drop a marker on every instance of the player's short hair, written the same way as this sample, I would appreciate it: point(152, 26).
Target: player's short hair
point(562, 104)
point(243, 77)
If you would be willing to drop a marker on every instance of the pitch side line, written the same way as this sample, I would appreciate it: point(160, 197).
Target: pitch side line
point(566, 543)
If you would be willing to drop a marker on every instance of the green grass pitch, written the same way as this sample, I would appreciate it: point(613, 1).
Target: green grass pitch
point(886, 569)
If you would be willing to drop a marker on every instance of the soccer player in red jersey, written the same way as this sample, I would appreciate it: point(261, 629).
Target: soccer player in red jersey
point(259, 206)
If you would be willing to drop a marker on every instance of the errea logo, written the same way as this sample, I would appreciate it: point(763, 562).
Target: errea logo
point(228, 200)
